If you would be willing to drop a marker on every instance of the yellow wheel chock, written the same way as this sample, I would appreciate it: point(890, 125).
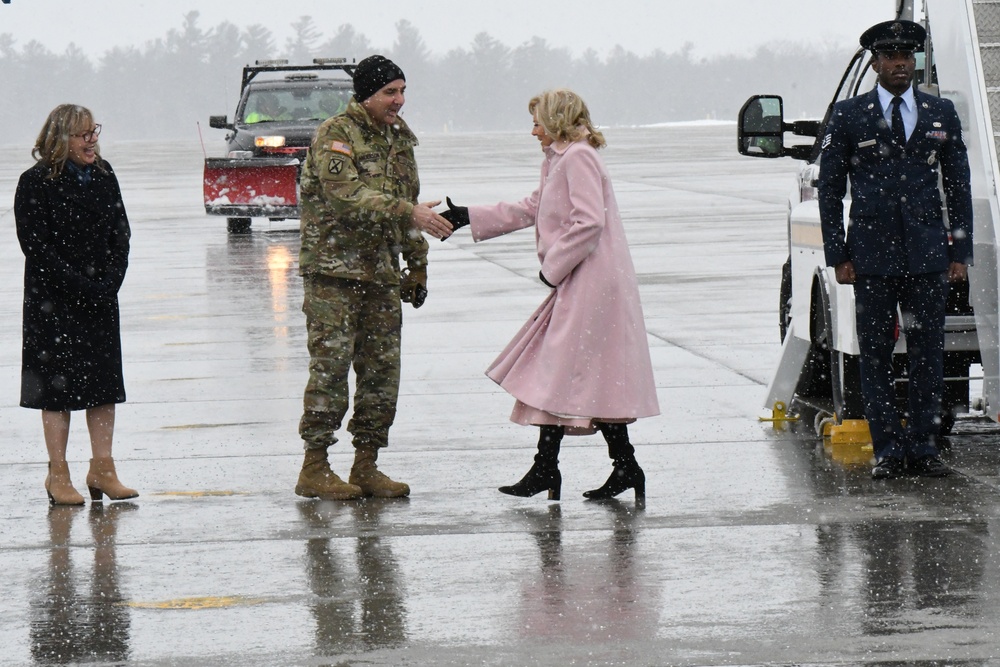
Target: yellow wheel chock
point(849, 432)
point(779, 415)
point(849, 442)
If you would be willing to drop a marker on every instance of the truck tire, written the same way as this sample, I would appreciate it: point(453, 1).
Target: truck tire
point(848, 402)
point(238, 225)
point(830, 375)
point(815, 382)
point(785, 299)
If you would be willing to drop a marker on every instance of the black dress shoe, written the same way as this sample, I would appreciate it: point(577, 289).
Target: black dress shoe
point(888, 468)
point(929, 466)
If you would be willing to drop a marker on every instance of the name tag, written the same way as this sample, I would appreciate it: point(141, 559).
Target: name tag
point(866, 144)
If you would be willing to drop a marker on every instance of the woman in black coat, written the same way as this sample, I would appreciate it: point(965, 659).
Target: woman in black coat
point(74, 233)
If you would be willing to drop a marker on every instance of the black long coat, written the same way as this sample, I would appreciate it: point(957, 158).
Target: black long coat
point(75, 240)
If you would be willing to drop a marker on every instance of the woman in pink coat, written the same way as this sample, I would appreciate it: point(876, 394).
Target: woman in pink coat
point(581, 362)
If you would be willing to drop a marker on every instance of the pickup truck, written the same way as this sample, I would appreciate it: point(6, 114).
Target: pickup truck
point(279, 109)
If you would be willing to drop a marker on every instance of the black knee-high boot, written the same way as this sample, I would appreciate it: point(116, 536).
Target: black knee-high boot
point(626, 474)
point(544, 474)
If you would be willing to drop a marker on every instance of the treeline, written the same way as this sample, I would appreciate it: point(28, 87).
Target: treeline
point(164, 88)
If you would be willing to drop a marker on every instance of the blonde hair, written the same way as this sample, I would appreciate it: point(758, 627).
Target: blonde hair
point(52, 145)
point(564, 116)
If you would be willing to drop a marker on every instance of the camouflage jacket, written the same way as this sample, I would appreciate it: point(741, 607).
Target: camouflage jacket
point(357, 190)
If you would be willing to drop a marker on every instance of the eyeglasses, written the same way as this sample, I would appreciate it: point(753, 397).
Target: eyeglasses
point(91, 135)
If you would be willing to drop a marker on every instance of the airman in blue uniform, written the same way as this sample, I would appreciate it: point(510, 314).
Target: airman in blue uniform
point(894, 143)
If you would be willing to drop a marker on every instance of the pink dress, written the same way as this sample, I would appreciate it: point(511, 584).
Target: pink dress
point(583, 355)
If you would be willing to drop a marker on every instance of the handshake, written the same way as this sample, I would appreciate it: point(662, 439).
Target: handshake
point(458, 216)
point(413, 282)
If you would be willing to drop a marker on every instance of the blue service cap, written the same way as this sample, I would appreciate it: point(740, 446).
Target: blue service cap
point(894, 35)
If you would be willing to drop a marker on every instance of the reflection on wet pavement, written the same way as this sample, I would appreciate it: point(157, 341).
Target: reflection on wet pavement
point(77, 613)
point(358, 598)
point(588, 598)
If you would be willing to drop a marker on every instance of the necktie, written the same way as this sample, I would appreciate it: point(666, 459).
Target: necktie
point(898, 131)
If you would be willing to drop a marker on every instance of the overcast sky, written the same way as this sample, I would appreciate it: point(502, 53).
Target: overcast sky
point(714, 27)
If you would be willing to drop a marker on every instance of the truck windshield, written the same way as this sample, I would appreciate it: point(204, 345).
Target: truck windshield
point(299, 104)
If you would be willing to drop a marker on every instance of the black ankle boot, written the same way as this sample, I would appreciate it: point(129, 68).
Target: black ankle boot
point(626, 474)
point(537, 479)
point(544, 474)
point(621, 479)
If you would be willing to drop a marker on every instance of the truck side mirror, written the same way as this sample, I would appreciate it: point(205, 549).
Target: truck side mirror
point(760, 127)
point(219, 123)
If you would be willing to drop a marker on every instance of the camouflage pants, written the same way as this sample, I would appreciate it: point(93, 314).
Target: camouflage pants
point(350, 323)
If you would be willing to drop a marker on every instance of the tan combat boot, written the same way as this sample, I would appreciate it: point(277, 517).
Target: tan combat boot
point(317, 480)
point(366, 475)
point(102, 479)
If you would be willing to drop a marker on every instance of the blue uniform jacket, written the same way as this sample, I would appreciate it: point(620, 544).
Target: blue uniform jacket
point(896, 225)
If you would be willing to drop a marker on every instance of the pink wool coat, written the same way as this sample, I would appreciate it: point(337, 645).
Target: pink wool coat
point(584, 352)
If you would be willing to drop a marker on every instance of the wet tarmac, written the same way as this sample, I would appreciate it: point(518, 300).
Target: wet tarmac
point(756, 545)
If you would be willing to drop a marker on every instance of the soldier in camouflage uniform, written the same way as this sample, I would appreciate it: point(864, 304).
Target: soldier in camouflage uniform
point(359, 190)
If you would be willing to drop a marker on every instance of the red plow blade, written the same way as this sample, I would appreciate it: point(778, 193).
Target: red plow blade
point(261, 187)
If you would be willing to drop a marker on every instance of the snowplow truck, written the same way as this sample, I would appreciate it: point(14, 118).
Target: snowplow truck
point(279, 109)
point(818, 366)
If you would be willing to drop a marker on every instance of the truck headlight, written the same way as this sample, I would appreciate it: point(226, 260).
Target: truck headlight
point(269, 142)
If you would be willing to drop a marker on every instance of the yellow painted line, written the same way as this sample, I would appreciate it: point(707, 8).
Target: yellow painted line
point(210, 602)
point(200, 494)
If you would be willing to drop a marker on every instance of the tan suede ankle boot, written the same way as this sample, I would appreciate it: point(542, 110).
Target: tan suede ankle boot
point(372, 481)
point(59, 486)
point(103, 480)
point(317, 480)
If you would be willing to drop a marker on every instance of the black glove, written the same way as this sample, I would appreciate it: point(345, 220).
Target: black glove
point(413, 286)
point(458, 216)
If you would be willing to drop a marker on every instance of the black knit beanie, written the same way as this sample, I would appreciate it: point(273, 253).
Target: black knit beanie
point(372, 74)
